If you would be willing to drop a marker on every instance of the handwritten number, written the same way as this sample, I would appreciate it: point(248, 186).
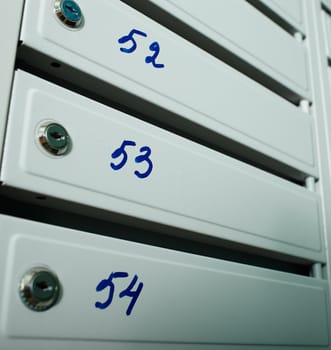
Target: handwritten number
point(154, 47)
point(124, 39)
point(108, 283)
point(127, 292)
point(121, 151)
point(144, 158)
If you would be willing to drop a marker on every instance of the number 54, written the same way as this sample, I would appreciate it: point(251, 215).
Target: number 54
point(127, 292)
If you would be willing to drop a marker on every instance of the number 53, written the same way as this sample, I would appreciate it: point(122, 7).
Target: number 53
point(144, 156)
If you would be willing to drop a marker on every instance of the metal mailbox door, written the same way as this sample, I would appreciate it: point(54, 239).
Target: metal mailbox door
point(123, 165)
point(290, 10)
point(243, 30)
point(131, 52)
point(130, 296)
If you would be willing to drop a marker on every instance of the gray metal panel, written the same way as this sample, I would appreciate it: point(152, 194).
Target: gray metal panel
point(322, 102)
point(184, 298)
point(327, 4)
point(9, 34)
point(245, 31)
point(326, 20)
point(190, 186)
point(290, 10)
point(192, 84)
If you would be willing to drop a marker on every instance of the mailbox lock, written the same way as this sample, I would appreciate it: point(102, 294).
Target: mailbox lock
point(54, 138)
point(69, 13)
point(39, 289)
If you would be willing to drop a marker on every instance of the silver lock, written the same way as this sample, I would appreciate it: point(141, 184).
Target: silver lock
point(69, 13)
point(39, 289)
point(54, 138)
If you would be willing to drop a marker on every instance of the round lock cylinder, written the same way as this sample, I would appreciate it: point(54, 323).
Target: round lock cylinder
point(69, 13)
point(39, 289)
point(54, 138)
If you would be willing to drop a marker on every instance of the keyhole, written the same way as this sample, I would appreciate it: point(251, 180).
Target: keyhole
point(71, 8)
point(69, 13)
point(55, 135)
point(39, 289)
point(54, 138)
point(44, 286)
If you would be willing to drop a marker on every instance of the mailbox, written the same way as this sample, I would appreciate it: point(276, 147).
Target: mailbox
point(149, 62)
point(126, 295)
point(66, 146)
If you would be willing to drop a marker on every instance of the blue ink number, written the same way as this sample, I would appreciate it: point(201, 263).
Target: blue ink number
point(144, 156)
point(154, 47)
point(127, 292)
point(133, 294)
point(108, 283)
point(121, 152)
point(124, 39)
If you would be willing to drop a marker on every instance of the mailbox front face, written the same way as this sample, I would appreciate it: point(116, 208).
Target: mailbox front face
point(243, 30)
point(291, 11)
point(115, 162)
point(65, 289)
point(125, 295)
point(150, 62)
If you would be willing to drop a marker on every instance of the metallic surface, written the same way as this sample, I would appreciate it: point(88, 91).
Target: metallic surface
point(54, 138)
point(69, 13)
point(39, 289)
